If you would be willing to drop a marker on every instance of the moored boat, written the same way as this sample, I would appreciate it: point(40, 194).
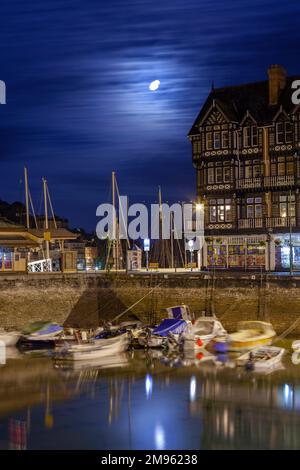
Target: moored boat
point(250, 335)
point(296, 345)
point(9, 338)
point(202, 332)
point(94, 349)
point(265, 357)
point(44, 335)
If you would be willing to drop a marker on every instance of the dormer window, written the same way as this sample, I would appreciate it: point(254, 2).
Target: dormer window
point(284, 132)
point(225, 139)
point(209, 142)
point(288, 132)
point(250, 136)
point(217, 140)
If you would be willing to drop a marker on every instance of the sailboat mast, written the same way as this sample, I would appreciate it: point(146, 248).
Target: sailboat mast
point(172, 239)
point(46, 225)
point(114, 242)
point(26, 197)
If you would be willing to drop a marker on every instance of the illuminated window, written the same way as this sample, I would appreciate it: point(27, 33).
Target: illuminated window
point(220, 210)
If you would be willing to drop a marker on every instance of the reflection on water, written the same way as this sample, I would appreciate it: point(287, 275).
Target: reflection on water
point(145, 400)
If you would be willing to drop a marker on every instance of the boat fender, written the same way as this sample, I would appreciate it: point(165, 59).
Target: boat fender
point(199, 342)
point(296, 357)
point(199, 356)
point(84, 336)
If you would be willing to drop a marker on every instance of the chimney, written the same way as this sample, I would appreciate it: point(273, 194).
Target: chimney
point(277, 81)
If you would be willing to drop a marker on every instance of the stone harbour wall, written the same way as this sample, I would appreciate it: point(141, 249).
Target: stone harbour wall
point(85, 300)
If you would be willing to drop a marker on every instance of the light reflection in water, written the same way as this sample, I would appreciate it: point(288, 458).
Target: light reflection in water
point(191, 408)
point(193, 388)
point(148, 386)
point(288, 396)
point(159, 436)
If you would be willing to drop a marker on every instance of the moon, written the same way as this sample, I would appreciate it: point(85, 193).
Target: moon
point(154, 85)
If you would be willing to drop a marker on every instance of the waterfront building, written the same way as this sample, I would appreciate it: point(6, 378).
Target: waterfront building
point(245, 149)
point(19, 245)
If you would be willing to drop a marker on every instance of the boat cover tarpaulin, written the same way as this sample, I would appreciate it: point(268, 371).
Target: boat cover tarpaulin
point(170, 325)
point(48, 329)
point(179, 312)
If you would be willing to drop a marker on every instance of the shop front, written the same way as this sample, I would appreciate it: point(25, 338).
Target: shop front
point(236, 253)
point(287, 252)
point(6, 259)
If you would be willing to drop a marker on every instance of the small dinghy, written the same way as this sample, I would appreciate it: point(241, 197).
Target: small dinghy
point(250, 335)
point(202, 332)
point(45, 335)
point(95, 349)
point(296, 345)
point(9, 338)
point(262, 358)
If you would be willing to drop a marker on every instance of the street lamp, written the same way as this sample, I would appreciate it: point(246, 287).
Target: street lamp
point(191, 247)
point(199, 206)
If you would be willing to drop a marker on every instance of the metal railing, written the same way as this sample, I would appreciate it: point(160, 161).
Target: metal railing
point(251, 223)
point(249, 183)
point(40, 266)
point(272, 222)
point(275, 181)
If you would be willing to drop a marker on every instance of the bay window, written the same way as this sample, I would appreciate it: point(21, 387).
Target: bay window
point(218, 172)
point(220, 210)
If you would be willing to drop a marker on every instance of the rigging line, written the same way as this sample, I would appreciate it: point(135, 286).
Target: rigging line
point(287, 331)
point(180, 252)
point(32, 208)
point(136, 303)
point(41, 202)
point(51, 207)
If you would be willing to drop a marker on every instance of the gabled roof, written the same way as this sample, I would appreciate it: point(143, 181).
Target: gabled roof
point(235, 101)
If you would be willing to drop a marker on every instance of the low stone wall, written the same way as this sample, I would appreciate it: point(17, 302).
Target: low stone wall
point(85, 300)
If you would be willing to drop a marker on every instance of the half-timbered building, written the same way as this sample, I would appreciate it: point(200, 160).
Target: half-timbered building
point(245, 149)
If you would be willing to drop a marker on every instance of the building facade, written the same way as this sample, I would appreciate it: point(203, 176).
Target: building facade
point(245, 149)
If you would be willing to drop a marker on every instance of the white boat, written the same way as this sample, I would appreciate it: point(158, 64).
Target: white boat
point(105, 362)
point(202, 332)
point(158, 337)
point(250, 335)
point(95, 349)
point(10, 338)
point(47, 334)
point(262, 358)
point(296, 345)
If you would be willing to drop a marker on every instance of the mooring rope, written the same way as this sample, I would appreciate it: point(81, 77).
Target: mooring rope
point(136, 303)
point(287, 331)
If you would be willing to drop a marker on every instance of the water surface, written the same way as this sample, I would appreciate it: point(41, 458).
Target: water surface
point(144, 401)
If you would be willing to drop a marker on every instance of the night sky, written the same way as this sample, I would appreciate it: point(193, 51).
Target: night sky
point(78, 103)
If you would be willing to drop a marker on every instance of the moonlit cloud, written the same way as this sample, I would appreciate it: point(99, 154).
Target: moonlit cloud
point(78, 102)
